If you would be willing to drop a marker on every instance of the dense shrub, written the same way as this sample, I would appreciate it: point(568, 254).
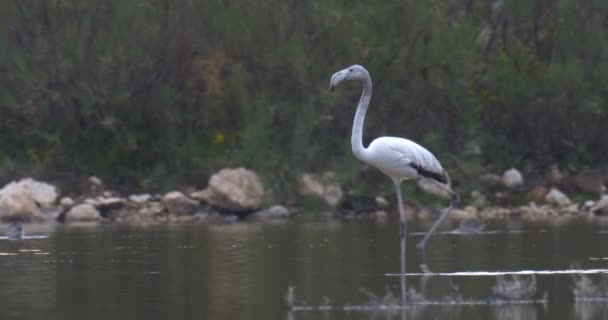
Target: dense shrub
point(163, 92)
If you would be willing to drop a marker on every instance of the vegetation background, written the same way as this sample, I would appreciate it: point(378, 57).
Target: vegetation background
point(152, 94)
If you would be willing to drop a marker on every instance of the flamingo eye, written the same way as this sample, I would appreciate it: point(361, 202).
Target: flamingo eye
point(350, 70)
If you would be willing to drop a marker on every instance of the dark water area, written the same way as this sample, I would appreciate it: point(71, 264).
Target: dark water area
point(243, 270)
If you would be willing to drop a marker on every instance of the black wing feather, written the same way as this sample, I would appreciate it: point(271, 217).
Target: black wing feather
point(440, 177)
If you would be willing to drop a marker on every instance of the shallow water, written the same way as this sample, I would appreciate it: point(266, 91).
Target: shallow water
point(243, 270)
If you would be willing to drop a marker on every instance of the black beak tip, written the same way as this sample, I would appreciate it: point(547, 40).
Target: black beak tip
point(331, 88)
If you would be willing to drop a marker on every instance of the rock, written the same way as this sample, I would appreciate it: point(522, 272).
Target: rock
point(333, 194)
point(151, 209)
point(325, 187)
point(512, 178)
point(140, 198)
point(66, 202)
point(178, 204)
point(310, 185)
point(537, 193)
point(430, 187)
point(554, 175)
point(237, 189)
point(113, 203)
point(589, 180)
point(82, 212)
point(202, 195)
point(274, 212)
point(588, 205)
point(93, 180)
point(41, 192)
point(495, 213)
point(90, 201)
point(110, 207)
point(382, 202)
point(601, 207)
point(16, 203)
point(468, 212)
point(557, 197)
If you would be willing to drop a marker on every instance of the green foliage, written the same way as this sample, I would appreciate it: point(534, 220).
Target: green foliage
point(165, 92)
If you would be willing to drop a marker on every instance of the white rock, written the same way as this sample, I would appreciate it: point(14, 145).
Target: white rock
point(15, 202)
point(333, 194)
point(152, 208)
point(91, 201)
point(310, 185)
point(468, 212)
point(512, 178)
point(557, 197)
point(587, 205)
point(601, 207)
point(66, 202)
point(273, 212)
point(201, 195)
point(110, 203)
point(41, 192)
point(140, 198)
point(237, 189)
point(382, 202)
point(325, 187)
point(82, 212)
point(178, 204)
point(95, 181)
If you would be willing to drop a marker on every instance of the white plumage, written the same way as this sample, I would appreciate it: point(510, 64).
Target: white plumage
point(398, 158)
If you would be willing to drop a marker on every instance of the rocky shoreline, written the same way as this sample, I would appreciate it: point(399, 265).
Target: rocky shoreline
point(238, 194)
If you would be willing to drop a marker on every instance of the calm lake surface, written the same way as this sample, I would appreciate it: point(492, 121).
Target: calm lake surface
point(243, 270)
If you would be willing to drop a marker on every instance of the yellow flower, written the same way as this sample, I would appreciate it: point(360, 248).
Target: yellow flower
point(218, 138)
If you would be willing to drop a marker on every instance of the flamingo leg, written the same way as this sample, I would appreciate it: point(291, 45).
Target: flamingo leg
point(422, 245)
point(403, 237)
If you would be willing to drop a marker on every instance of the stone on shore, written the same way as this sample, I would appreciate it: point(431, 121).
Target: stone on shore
point(537, 193)
point(16, 203)
point(237, 190)
point(274, 212)
point(140, 198)
point(601, 207)
point(324, 187)
point(66, 202)
point(82, 212)
point(557, 197)
point(468, 212)
point(512, 178)
point(178, 204)
point(589, 180)
point(40, 192)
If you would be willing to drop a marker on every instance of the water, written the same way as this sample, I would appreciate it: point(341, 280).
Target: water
point(243, 270)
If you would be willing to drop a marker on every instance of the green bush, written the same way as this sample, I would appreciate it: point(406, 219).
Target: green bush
point(166, 92)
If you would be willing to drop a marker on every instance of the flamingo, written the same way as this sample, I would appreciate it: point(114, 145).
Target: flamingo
point(399, 158)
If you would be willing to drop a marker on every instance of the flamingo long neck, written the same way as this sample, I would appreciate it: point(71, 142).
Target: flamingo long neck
point(357, 135)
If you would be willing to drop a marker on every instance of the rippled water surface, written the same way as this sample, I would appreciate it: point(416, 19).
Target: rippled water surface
point(243, 270)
